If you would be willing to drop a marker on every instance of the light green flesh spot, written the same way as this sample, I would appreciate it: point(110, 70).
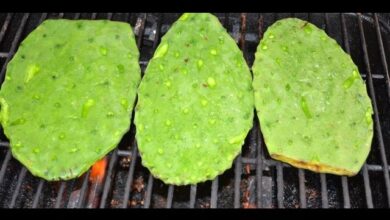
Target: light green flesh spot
point(311, 101)
point(161, 51)
point(86, 107)
point(71, 94)
point(32, 70)
point(192, 140)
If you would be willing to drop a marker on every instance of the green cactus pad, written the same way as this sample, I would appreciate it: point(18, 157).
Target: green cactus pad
point(195, 103)
point(312, 103)
point(68, 95)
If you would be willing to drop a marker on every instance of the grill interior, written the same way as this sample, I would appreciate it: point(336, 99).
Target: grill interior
point(254, 180)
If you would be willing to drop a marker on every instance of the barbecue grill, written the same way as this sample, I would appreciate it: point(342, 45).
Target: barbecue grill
point(255, 180)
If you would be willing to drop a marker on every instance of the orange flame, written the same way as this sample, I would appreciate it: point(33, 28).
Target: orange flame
point(98, 171)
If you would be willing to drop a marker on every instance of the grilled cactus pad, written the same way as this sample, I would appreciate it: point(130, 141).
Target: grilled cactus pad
point(195, 103)
point(312, 103)
point(68, 95)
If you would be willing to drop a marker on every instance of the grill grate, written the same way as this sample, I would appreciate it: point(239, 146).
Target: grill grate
point(255, 180)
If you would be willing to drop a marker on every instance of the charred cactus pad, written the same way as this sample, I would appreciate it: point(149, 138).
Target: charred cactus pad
point(312, 103)
point(68, 95)
point(195, 103)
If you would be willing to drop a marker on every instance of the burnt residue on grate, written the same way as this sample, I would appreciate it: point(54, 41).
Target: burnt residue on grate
point(255, 180)
point(291, 188)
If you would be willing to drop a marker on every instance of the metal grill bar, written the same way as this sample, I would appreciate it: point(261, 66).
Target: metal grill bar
point(367, 187)
point(43, 17)
point(143, 63)
point(148, 193)
point(22, 174)
point(374, 76)
point(259, 154)
point(38, 194)
point(279, 183)
point(4, 166)
point(259, 173)
point(344, 184)
point(149, 189)
point(96, 184)
point(371, 167)
point(130, 176)
point(158, 31)
point(108, 180)
point(384, 64)
point(124, 153)
point(192, 196)
point(324, 191)
point(60, 191)
point(59, 194)
point(242, 35)
point(376, 115)
point(245, 160)
point(383, 55)
point(63, 183)
point(83, 190)
point(238, 162)
point(5, 26)
point(214, 193)
point(14, 44)
point(215, 182)
point(344, 180)
point(237, 181)
point(134, 154)
point(324, 187)
point(259, 166)
point(302, 188)
point(170, 196)
point(141, 31)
